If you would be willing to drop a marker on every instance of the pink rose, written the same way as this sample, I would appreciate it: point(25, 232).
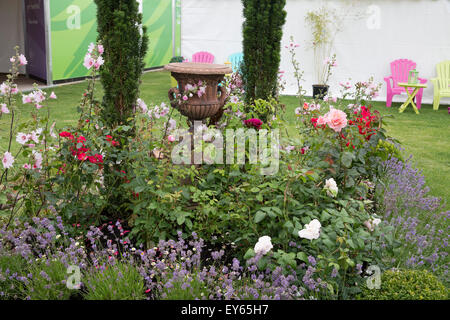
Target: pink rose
point(322, 121)
point(171, 138)
point(336, 119)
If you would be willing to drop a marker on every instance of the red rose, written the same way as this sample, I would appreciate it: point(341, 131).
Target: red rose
point(255, 123)
point(66, 134)
point(82, 156)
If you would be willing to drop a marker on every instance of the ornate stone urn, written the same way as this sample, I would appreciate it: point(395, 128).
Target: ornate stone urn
point(208, 104)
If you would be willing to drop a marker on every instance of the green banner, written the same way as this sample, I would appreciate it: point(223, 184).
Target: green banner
point(73, 27)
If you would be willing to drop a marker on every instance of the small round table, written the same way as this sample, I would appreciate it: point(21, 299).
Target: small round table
point(208, 105)
point(417, 87)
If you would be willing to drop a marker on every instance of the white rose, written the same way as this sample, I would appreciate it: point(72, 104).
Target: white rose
point(264, 245)
point(372, 223)
point(311, 230)
point(376, 221)
point(331, 187)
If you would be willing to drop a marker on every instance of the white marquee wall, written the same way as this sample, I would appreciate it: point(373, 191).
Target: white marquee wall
point(11, 34)
point(414, 29)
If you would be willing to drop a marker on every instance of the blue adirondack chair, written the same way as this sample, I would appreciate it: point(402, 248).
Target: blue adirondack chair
point(236, 60)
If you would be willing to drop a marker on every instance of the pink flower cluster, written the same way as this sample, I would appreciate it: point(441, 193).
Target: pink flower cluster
point(36, 97)
point(194, 89)
point(6, 89)
point(21, 58)
point(23, 138)
point(94, 57)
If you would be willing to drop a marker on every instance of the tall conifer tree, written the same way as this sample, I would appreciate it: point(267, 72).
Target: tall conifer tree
point(125, 41)
point(262, 32)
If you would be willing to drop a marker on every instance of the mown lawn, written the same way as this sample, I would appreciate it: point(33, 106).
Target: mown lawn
point(426, 136)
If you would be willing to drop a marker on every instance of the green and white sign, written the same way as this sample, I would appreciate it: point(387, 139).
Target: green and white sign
point(73, 27)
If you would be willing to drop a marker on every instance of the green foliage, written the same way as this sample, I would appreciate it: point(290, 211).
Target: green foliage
point(177, 59)
point(120, 281)
point(9, 265)
point(262, 33)
point(387, 149)
point(320, 21)
point(48, 281)
point(179, 291)
point(263, 109)
point(407, 285)
point(119, 30)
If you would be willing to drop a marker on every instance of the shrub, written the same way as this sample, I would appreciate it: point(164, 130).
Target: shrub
point(387, 149)
point(407, 285)
point(261, 46)
point(119, 30)
point(118, 281)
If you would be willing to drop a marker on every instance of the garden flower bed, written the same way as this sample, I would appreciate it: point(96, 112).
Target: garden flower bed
point(115, 208)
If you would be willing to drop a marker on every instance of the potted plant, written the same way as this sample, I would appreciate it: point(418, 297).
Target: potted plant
point(325, 23)
point(321, 22)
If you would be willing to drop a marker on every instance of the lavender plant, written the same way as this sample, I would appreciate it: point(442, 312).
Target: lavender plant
point(420, 225)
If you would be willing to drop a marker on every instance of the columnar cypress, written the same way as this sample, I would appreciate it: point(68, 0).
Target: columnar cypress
point(262, 32)
point(119, 30)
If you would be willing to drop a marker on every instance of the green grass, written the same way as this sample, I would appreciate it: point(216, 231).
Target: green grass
point(426, 136)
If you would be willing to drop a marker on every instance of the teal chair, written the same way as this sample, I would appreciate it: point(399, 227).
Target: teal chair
point(236, 60)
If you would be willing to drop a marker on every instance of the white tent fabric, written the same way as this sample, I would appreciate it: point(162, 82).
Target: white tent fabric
point(11, 35)
point(387, 30)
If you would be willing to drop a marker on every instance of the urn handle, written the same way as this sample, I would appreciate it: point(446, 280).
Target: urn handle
point(173, 94)
point(223, 95)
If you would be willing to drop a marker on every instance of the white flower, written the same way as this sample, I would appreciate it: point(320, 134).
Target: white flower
point(372, 223)
point(264, 245)
point(7, 160)
point(22, 138)
point(311, 230)
point(376, 221)
point(52, 95)
point(331, 187)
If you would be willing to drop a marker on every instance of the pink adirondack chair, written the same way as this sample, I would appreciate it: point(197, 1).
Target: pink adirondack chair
point(203, 57)
point(400, 71)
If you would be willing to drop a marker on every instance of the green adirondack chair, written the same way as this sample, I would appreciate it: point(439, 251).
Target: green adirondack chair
point(441, 83)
